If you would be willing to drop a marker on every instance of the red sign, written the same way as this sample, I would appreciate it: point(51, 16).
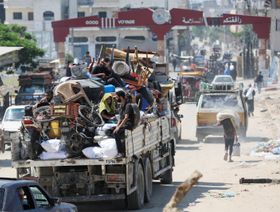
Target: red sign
point(160, 21)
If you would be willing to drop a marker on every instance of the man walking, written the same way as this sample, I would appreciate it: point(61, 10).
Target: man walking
point(229, 137)
point(259, 81)
point(249, 94)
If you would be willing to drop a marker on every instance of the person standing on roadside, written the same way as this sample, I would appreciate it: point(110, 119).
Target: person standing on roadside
point(259, 81)
point(229, 136)
point(249, 94)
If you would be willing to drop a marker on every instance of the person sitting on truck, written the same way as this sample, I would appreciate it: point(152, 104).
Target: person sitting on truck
point(126, 121)
point(107, 108)
point(48, 96)
point(104, 71)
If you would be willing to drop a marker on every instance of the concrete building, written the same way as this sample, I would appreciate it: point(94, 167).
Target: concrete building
point(37, 16)
point(2, 11)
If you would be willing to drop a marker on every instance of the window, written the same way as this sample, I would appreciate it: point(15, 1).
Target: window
point(134, 38)
point(81, 14)
point(102, 14)
point(277, 25)
point(30, 16)
point(17, 16)
point(14, 114)
point(39, 197)
point(79, 40)
point(25, 198)
point(106, 39)
point(48, 16)
point(221, 102)
point(33, 89)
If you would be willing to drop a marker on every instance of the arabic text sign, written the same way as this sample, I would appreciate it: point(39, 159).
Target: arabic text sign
point(233, 20)
point(192, 21)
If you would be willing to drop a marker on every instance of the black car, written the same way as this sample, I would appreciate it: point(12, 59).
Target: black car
point(28, 195)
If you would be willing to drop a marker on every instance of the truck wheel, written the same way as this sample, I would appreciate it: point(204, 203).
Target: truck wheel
point(148, 180)
point(15, 149)
point(135, 200)
point(166, 178)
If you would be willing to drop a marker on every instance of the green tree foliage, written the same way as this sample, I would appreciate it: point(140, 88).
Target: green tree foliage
point(15, 35)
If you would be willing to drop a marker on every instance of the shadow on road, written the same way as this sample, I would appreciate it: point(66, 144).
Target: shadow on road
point(186, 148)
point(199, 191)
point(158, 200)
point(187, 141)
point(220, 139)
point(254, 139)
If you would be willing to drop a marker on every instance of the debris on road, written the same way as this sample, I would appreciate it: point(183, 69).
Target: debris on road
point(269, 150)
point(181, 191)
point(260, 180)
point(263, 110)
point(226, 194)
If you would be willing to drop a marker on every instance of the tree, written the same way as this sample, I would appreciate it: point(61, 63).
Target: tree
point(15, 35)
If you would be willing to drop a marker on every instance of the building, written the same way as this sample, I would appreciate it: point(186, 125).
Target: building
point(2, 12)
point(37, 16)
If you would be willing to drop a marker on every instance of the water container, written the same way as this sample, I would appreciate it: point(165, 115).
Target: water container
point(109, 88)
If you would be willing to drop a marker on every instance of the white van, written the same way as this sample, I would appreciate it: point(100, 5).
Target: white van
point(10, 124)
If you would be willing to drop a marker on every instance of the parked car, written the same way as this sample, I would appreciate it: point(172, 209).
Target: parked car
point(211, 103)
point(10, 124)
point(222, 82)
point(28, 195)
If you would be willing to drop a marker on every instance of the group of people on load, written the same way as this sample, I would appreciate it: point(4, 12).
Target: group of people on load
point(123, 105)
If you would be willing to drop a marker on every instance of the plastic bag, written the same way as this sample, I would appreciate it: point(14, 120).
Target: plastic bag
point(52, 145)
point(93, 152)
point(236, 149)
point(109, 147)
point(53, 155)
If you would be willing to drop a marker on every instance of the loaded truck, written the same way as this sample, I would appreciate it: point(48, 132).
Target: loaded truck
point(149, 151)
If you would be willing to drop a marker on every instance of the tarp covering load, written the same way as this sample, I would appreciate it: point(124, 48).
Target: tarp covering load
point(232, 115)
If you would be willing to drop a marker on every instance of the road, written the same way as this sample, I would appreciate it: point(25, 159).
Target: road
point(220, 179)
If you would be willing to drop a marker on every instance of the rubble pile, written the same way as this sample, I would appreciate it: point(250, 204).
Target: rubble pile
point(268, 150)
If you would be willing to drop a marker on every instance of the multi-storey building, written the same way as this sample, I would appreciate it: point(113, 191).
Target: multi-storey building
point(2, 11)
point(37, 16)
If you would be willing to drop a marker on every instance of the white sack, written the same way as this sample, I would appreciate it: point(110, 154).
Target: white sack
point(101, 130)
point(53, 155)
point(109, 147)
point(234, 117)
point(52, 145)
point(93, 152)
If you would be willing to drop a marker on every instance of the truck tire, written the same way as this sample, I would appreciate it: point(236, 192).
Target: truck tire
point(166, 177)
point(148, 180)
point(135, 200)
point(15, 149)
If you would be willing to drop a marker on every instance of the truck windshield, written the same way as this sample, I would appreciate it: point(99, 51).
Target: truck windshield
point(14, 114)
point(32, 89)
point(222, 101)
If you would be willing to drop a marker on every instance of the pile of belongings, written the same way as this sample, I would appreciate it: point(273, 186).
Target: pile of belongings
point(232, 115)
point(71, 126)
